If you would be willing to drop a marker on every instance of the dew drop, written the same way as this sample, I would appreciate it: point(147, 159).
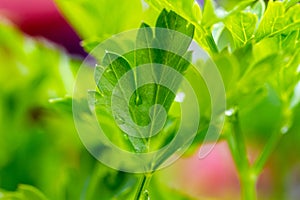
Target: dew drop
point(284, 129)
point(146, 195)
point(230, 112)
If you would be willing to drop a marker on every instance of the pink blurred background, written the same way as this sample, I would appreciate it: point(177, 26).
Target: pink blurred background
point(41, 18)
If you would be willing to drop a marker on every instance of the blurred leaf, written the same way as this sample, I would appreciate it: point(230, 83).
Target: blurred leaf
point(231, 5)
point(98, 19)
point(289, 3)
point(188, 9)
point(209, 16)
point(229, 69)
point(259, 9)
point(37, 141)
point(159, 190)
point(31, 193)
point(109, 184)
point(223, 37)
point(255, 119)
point(24, 192)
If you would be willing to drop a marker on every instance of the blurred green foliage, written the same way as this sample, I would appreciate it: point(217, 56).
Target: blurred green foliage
point(38, 144)
point(24, 192)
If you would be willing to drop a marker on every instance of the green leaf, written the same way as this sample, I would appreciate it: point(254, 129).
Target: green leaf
point(241, 26)
point(235, 28)
point(24, 192)
point(189, 10)
point(209, 16)
point(235, 5)
point(173, 21)
point(223, 37)
point(273, 19)
point(97, 19)
point(117, 67)
point(259, 9)
point(277, 20)
point(160, 189)
point(228, 66)
point(114, 184)
point(289, 42)
point(156, 94)
point(29, 192)
point(148, 95)
point(290, 3)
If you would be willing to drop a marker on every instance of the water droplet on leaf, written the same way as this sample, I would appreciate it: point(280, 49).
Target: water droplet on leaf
point(146, 195)
point(284, 129)
point(230, 112)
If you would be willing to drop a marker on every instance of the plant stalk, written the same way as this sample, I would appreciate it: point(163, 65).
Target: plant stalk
point(142, 188)
point(266, 153)
point(237, 145)
point(248, 185)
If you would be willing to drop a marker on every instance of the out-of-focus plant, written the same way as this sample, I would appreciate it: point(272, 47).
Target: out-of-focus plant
point(36, 138)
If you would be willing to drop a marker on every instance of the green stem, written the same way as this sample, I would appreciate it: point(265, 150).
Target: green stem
point(266, 153)
point(92, 187)
point(237, 145)
point(236, 142)
point(142, 193)
point(240, 143)
point(248, 185)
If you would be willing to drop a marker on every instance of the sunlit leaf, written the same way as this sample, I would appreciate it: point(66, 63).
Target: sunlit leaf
point(209, 16)
point(189, 10)
point(96, 19)
point(241, 26)
point(146, 96)
point(277, 21)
